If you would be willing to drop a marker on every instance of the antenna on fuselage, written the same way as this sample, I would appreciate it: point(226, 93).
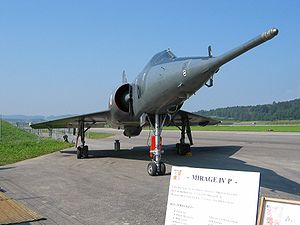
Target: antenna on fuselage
point(211, 80)
point(124, 78)
point(209, 52)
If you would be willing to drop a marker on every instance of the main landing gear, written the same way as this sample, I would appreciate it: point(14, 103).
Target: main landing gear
point(157, 167)
point(82, 150)
point(183, 148)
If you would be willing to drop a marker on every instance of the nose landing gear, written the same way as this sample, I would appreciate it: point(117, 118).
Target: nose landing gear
point(157, 167)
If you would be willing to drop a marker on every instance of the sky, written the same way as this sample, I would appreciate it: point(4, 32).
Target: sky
point(66, 57)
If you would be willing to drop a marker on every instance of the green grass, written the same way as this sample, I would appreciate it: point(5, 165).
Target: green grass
point(17, 145)
point(279, 122)
point(273, 122)
point(256, 128)
point(97, 135)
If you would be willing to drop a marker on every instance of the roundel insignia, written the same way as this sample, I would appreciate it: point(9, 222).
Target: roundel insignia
point(184, 69)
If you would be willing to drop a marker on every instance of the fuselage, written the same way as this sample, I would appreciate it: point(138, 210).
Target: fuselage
point(162, 86)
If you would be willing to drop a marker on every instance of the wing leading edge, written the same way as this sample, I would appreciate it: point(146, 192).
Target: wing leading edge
point(194, 119)
point(98, 119)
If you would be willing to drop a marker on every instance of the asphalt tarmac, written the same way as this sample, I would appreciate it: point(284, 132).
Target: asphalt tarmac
point(113, 187)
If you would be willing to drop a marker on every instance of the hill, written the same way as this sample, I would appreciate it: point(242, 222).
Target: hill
point(17, 144)
point(28, 119)
point(288, 110)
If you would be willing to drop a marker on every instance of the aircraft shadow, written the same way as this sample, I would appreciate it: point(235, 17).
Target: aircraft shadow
point(213, 157)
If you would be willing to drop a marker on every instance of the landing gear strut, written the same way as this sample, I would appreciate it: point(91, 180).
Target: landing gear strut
point(183, 148)
point(82, 150)
point(157, 167)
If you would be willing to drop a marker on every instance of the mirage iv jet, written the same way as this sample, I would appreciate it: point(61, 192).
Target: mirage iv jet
point(155, 98)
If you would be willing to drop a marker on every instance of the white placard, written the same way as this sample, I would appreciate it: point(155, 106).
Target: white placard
point(212, 197)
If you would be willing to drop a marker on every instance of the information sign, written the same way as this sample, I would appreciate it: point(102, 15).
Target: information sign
point(212, 197)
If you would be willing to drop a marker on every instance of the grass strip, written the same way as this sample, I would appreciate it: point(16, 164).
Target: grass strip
point(256, 128)
point(98, 135)
point(17, 145)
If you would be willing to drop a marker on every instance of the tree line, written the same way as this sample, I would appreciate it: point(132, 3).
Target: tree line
point(288, 110)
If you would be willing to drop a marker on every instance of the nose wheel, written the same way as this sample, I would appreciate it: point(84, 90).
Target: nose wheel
point(154, 170)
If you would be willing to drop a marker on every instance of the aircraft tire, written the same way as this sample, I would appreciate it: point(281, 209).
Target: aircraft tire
point(85, 151)
point(152, 169)
point(162, 168)
point(79, 152)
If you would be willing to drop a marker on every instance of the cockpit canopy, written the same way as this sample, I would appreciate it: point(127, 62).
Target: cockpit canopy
point(162, 57)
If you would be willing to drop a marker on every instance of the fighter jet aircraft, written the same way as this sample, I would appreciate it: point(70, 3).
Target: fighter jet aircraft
point(155, 98)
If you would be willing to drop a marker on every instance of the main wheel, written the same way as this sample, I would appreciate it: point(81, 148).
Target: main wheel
point(79, 152)
point(162, 168)
point(85, 151)
point(152, 169)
